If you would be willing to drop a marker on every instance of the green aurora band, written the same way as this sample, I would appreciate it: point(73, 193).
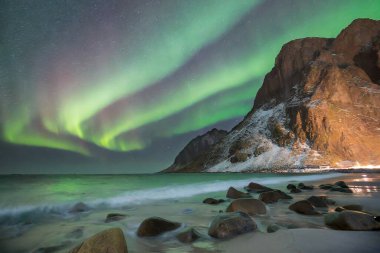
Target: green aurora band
point(157, 70)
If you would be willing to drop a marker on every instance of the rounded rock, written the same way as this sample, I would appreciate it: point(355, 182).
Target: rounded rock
point(155, 226)
point(230, 225)
point(248, 206)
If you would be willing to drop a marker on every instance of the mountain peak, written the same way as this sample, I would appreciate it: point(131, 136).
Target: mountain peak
point(320, 104)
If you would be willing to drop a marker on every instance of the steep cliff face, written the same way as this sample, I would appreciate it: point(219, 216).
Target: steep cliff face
point(320, 104)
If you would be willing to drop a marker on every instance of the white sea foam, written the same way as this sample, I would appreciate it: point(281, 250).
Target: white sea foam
point(138, 197)
point(184, 191)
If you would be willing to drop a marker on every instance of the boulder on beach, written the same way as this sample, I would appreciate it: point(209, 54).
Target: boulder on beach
point(273, 196)
point(349, 207)
point(212, 201)
point(351, 220)
point(248, 206)
point(155, 226)
point(291, 186)
point(320, 201)
point(257, 188)
point(188, 235)
point(111, 240)
point(114, 217)
point(326, 186)
point(341, 184)
point(232, 193)
point(79, 207)
point(303, 207)
point(340, 189)
point(302, 186)
point(230, 225)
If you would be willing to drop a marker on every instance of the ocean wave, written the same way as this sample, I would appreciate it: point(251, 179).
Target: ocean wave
point(190, 190)
point(137, 197)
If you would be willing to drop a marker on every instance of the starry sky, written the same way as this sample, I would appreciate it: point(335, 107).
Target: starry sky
point(112, 86)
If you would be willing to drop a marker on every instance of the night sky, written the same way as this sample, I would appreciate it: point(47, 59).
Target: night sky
point(89, 86)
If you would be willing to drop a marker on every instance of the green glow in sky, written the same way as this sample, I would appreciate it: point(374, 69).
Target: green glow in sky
point(120, 75)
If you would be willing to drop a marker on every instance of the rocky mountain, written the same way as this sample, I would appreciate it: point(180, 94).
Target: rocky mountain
point(319, 105)
point(196, 150)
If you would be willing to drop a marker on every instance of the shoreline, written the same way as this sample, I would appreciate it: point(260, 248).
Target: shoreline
point(302, 234)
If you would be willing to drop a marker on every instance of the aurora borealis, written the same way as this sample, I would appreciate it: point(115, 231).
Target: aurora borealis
point(141, 78)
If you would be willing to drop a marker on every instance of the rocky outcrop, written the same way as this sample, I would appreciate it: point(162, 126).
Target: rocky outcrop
point(110, 240)
point(230, 225)
point(319, 105)
point(155, 226)
point(248, 206)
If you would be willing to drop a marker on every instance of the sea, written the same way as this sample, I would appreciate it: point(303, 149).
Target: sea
point(36, 216)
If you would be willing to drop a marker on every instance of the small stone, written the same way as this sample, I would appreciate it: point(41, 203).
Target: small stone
point(291, 187)
point(114, 217)
point(188, 235)
point(212, 201)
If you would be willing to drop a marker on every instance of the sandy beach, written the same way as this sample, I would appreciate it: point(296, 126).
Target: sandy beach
point(57, 232)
